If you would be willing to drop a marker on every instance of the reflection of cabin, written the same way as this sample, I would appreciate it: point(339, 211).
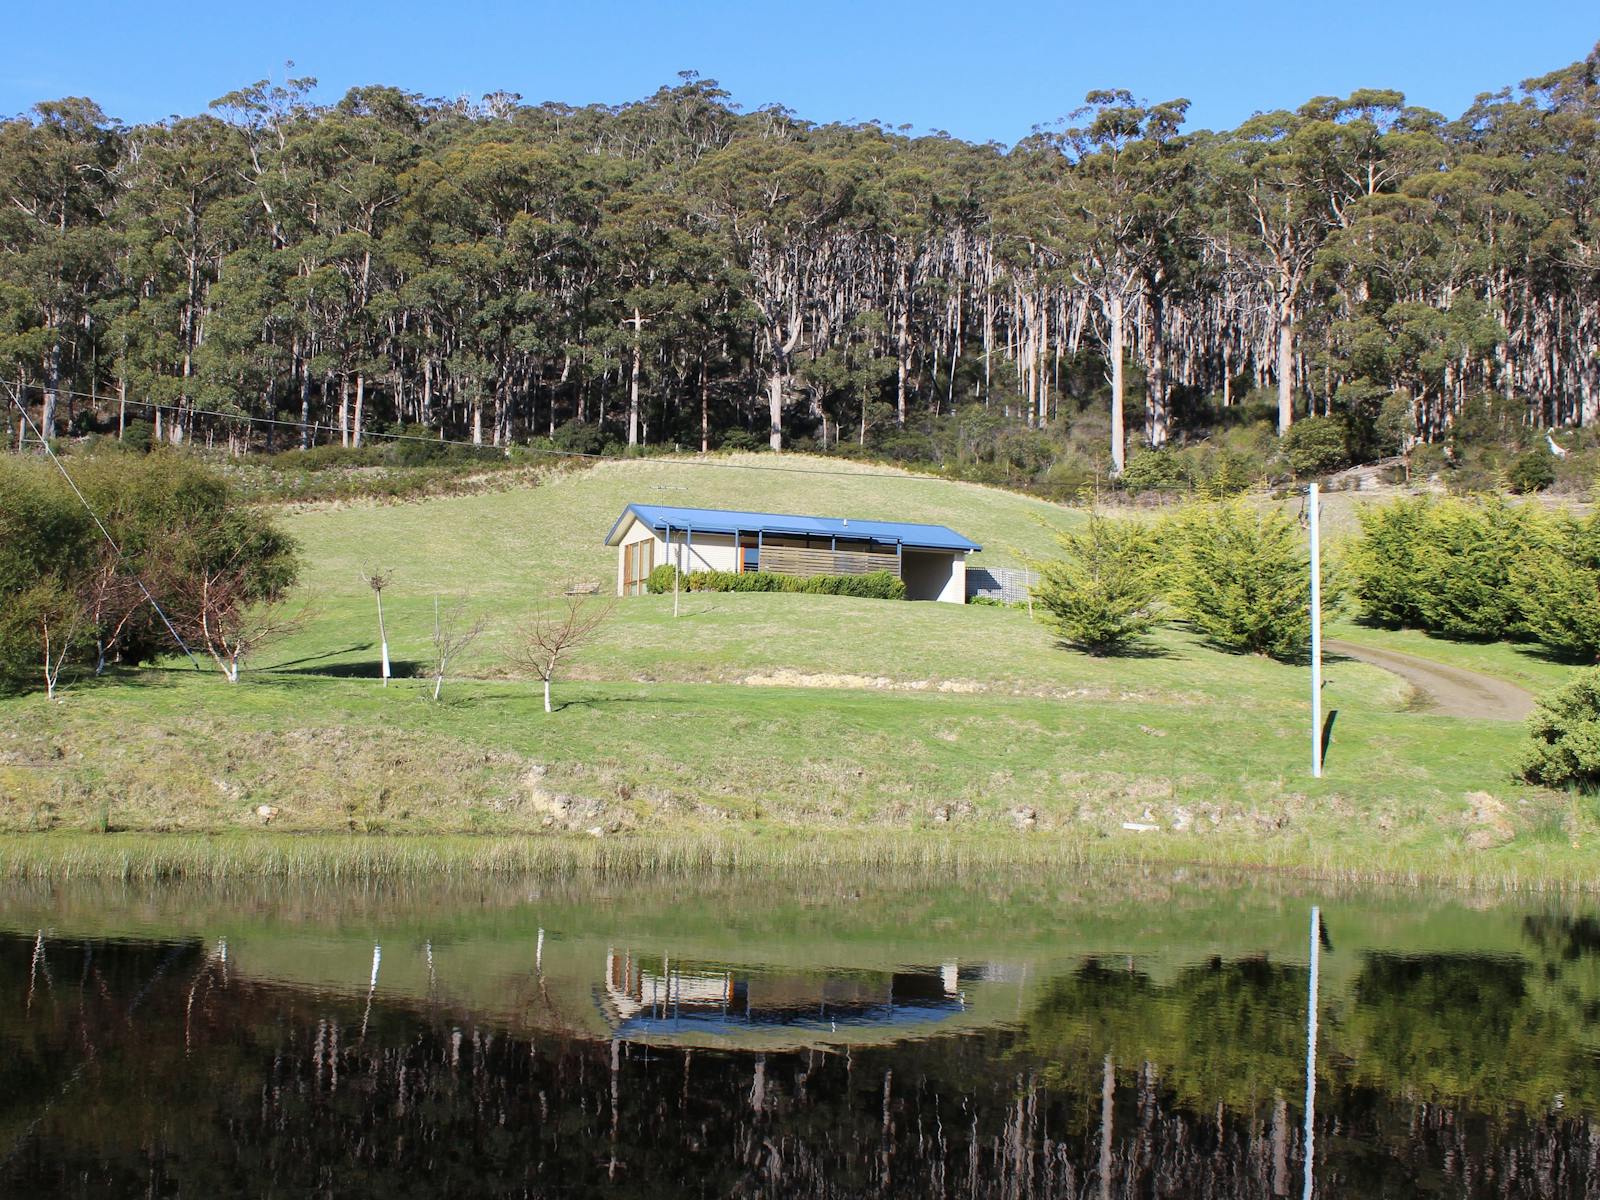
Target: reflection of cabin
point(931, 559)
point(658, 997)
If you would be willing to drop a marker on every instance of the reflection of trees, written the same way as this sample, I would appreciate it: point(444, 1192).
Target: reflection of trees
point(274, 1092)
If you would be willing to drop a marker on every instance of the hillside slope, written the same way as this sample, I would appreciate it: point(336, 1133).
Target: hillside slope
point(753, 712)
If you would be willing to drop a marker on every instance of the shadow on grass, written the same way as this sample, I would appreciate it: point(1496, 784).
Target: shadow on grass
point(354, 648)
point(399, 669)
point(1131, 652)
point(1533, 650)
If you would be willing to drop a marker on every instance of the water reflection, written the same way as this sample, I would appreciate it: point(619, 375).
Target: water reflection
point(530, 1049)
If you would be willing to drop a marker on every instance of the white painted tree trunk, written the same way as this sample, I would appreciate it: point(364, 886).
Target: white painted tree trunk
point(547, 693)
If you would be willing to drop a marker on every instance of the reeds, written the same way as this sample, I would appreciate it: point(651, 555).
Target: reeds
point(145, 857)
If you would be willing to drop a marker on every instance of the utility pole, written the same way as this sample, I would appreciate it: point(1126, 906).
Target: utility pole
point(1316, 634)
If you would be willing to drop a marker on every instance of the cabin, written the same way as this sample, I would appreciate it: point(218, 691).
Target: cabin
point(930, 559)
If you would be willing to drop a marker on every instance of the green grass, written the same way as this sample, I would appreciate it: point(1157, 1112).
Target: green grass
point(1523, 663)
point(772, 717)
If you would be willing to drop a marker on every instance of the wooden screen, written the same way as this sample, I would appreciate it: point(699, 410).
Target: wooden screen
point(638, 560)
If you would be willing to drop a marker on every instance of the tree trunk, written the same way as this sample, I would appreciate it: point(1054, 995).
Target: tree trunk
point(1118, 335)
point(52, 385)
point(775, 407)
point(344, 411)
point(1285, 317)
point(361, 399)
point(633, 381)
point(705, 408)
point(547, 693)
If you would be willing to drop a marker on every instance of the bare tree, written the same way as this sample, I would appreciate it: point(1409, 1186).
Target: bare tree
point(377, 579)
point(222, 616)
point(453, 635)
point(556, 631)
point(59, 622)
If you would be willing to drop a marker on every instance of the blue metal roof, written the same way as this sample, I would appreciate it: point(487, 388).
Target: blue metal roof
point(661, 517)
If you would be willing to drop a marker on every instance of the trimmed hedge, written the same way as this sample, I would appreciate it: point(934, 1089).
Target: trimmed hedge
point(875, 585)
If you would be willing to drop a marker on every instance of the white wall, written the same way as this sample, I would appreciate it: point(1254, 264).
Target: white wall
point(935, 575)
point(710, 551)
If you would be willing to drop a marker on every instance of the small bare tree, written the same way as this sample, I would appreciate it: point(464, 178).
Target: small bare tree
point(454, 632)
point(221, 615)
point(555, 631)
point(59, 621)
point(378, 579)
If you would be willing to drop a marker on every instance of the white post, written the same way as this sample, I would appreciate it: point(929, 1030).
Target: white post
point(1316, 636)
point(677, 569)
point(1311, 1051)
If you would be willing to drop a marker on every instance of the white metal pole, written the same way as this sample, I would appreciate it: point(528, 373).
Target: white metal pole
point(1316, 635)
point(1311, 1052)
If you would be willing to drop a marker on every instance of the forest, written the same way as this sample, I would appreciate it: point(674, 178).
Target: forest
point(279, 273)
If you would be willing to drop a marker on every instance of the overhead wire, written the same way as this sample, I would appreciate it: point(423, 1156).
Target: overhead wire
point(678, 460)
point(99, 524)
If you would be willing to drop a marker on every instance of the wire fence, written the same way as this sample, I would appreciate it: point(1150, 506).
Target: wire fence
point(1009, 585)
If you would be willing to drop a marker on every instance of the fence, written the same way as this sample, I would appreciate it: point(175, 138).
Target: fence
point(1009, 585)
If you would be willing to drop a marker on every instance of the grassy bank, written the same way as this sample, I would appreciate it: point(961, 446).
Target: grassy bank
point(753, 723)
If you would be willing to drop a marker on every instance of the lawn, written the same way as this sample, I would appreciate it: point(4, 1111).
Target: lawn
point(766, 715)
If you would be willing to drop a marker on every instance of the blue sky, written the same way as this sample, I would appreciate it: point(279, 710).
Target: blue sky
point(980, 71)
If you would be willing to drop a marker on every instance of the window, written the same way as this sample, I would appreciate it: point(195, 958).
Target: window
point(750, 558)
point(638, 559)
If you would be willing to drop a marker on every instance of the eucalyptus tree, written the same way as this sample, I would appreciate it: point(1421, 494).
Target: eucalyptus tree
point(60, 176)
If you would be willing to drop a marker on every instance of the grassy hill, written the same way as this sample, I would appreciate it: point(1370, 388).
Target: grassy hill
point(768, 714)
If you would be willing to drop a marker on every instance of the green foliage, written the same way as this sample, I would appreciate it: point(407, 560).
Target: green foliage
point(874, 585)
point(1154, 470)
point(660, 580)
point(1384, 563)
point(176, 522)
point(579, 437)
point(1557, 588)
point(1464, 563)
point(1240, 576)
point(1565, 729)
point(1531, 471)
point(1102, 594)
point(1317, 445)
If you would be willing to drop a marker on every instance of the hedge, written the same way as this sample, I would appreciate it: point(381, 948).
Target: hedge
point(875, 585)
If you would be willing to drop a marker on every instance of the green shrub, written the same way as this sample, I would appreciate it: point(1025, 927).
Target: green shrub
point(1384, 561)
point(744, 440)
point(1557, 588)
point(875, 585)
point(1154, 470)
point(1240, 576)
point(1464, 563)
point(660, 580)
point(1565, 728)
point(579, 437)
point(1103, 593)
point(1531, 471)
point(1316, 446)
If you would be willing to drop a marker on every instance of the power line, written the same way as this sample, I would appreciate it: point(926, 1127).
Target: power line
point(95, 517)
point(551, 453)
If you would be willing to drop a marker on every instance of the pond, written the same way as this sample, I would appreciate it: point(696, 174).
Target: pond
point(1134, 1034)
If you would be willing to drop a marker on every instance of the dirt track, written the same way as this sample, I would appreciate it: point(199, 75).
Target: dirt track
point(1448, 691)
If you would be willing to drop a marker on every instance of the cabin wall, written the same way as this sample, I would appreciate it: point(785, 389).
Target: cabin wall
point(935, 575)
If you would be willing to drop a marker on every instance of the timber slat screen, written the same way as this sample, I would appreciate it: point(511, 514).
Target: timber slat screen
point(793, 560)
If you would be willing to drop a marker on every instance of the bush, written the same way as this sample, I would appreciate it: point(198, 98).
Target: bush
point(1531, 471)
point(1241, 577)
point(1565, 728)
point(1154, 470)
point(1464, 563)
point(1384, 562)
point(1102, 594)
point(579, 437)
point(1557, 588)
point(875, 585)
point(659, 580)
point(1316, 446)
point(744, 440)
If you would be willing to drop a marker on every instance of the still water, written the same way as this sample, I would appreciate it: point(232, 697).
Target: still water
point(1120, 1035)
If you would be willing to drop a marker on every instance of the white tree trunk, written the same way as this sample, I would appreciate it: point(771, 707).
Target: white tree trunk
point(633, 383)
point(775, 407)
point(1285, 365)
point(1118, 336)
point(547, 693)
